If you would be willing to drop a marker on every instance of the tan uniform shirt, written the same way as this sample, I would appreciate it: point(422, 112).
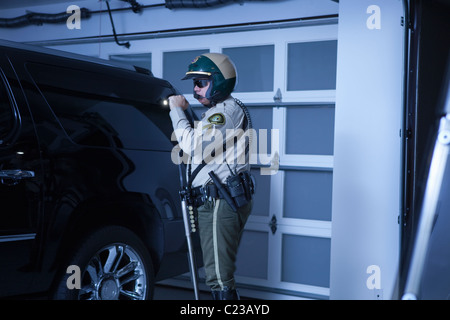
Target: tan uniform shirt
point(219, 124)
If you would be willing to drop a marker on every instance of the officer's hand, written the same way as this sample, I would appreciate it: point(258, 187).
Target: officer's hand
point(178, 101)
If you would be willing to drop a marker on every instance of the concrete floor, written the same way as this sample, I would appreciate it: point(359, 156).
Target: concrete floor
point(165, 292)
point(162, 292)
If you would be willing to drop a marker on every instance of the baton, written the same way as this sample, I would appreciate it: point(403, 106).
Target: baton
point(184, 193)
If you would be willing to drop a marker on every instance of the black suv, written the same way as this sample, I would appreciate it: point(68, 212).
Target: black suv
point(88, 189)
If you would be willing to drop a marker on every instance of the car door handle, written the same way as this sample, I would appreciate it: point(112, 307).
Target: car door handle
point(16, 174)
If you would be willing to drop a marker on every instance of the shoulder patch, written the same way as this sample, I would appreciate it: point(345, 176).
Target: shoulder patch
point(217, 118)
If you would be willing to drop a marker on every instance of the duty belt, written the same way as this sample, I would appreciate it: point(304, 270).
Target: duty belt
point(203, 193)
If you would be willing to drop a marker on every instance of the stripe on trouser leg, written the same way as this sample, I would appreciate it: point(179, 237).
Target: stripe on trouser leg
point(216, 251)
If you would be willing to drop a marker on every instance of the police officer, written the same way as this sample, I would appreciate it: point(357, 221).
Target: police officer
point(220, 227)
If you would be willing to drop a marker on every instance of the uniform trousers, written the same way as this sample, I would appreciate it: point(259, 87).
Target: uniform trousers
point(220, 230)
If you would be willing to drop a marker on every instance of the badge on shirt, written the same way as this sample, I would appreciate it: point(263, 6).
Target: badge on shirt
point(217, 118)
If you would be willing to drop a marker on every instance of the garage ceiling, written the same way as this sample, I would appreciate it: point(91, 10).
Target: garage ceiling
point(32, 3)
point(29, 3)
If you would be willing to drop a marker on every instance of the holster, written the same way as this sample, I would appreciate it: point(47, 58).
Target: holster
point(237, 191)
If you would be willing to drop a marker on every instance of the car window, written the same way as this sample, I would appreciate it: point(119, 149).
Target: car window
point(106, 110)
point(7, 117)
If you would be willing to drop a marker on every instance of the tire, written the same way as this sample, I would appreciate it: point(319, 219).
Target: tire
point(112, 264)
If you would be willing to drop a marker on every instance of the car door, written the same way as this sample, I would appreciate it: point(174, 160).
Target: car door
point(20, 190)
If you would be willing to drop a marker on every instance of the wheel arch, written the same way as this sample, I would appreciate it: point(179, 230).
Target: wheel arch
point(133, 211)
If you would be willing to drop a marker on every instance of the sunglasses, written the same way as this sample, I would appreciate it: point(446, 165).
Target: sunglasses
point(201, 83)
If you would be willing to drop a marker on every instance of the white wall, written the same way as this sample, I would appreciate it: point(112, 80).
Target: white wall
point(367, 150)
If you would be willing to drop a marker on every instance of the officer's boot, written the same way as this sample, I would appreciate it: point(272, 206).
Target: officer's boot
point(225, 294)
point(230, 294)
point(216, 294)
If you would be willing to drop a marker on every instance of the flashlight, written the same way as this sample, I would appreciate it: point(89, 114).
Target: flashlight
point(165, 102)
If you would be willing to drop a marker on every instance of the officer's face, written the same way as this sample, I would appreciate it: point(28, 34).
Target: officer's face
point(200, 88)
